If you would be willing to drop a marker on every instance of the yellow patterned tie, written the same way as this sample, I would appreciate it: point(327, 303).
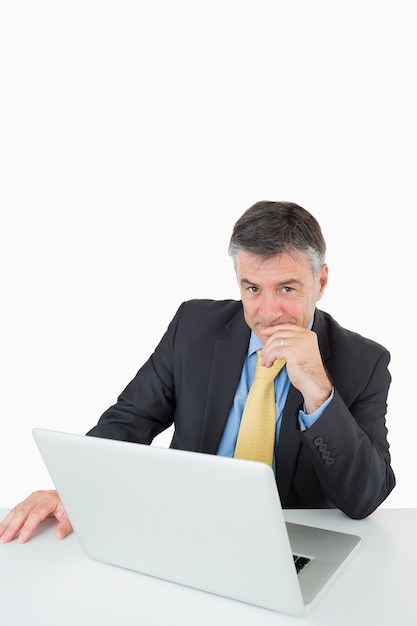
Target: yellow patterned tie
point(256, 437)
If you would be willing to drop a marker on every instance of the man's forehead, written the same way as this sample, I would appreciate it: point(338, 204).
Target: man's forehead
point(278, 263)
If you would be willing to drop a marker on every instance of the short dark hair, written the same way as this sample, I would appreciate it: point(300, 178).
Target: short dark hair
point(269, 228)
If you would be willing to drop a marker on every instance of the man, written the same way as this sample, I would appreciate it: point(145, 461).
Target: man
point(331, 446)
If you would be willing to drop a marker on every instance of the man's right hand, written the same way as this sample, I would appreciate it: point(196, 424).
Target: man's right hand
point(22, 520)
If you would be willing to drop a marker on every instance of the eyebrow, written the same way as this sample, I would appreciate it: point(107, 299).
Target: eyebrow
point(282, 283)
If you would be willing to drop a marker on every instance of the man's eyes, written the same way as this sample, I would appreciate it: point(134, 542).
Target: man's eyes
point(253, 289)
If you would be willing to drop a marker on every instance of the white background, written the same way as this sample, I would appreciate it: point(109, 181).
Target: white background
point(134, 134)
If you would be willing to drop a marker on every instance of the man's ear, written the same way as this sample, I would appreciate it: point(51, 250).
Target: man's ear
point(322, 280)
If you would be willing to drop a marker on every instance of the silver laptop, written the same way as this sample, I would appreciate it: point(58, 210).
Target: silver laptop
point(207, 522)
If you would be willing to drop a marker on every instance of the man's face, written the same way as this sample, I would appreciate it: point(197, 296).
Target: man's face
point(278, 291)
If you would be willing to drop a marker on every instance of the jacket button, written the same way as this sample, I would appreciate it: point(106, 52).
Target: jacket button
point(325, 454)
point(329, 461)
point(318, 441)
point(323, 447)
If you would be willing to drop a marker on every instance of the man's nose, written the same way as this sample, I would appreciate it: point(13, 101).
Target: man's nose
point(270, 307)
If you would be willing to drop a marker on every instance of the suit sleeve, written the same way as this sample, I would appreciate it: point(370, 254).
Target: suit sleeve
point(146, 407)
point(348, 444)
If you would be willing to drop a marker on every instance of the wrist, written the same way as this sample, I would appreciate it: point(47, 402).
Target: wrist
point(314, 401)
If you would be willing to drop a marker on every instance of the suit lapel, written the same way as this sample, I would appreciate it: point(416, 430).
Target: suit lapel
point(226, 369)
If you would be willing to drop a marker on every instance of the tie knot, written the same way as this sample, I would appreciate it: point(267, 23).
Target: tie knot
point(268, 373)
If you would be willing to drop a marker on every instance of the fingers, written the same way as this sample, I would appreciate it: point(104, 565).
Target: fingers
point(287, 341)
point(64, 526)
point(12, 523)
point(26, 517)
point(278, 346)
point(63, 529)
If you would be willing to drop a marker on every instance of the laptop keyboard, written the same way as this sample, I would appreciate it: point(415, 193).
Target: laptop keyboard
point(300, 562)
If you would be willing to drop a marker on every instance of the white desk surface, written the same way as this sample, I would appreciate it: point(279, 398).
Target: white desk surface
point(50, 582)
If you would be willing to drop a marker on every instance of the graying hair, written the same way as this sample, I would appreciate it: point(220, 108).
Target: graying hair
point(271, 228)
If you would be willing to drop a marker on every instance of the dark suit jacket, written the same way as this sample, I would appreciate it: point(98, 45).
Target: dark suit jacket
point(342, 461)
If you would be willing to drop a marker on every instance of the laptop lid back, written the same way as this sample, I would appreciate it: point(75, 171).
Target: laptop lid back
point(203, 521)
point(208, 522)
